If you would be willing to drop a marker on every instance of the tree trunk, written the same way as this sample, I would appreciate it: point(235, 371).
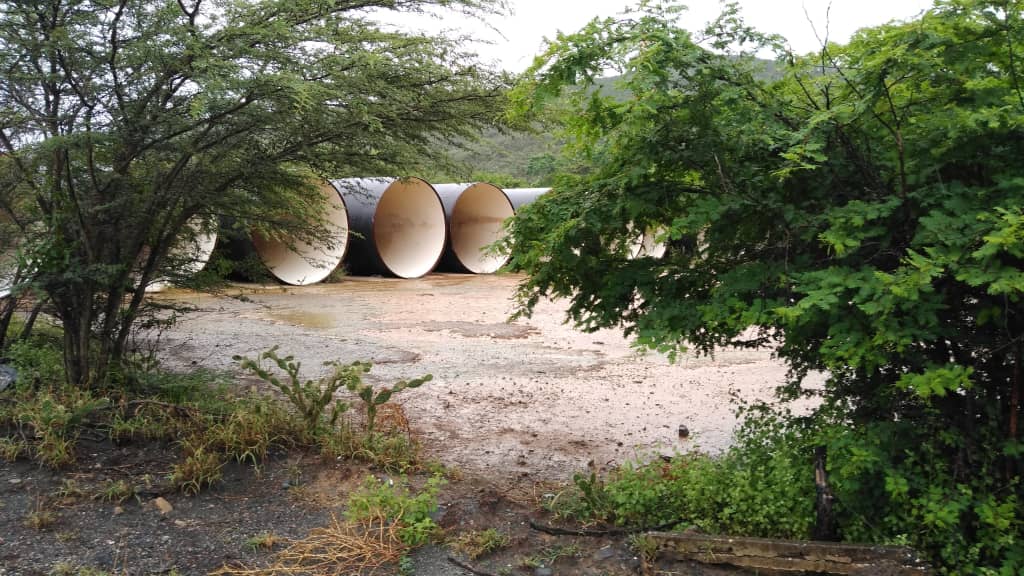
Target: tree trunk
point(825, 519)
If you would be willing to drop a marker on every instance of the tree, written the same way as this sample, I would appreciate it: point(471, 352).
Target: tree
point(123, 119)
point(861, 208)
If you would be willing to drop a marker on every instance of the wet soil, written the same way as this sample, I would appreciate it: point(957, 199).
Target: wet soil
point(514, 408)
point(533, 398)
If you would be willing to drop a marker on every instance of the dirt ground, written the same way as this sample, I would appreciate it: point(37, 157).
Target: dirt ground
point(514, 409)
point(535, 399)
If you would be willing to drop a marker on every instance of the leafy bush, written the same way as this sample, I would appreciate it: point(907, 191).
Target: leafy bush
point(394, 501)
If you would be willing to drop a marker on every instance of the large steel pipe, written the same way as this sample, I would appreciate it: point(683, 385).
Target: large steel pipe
point(476, 215)
point(190, 254)
point(8, 269)
point(522, 196)
point(298, 262)
point(399, 226)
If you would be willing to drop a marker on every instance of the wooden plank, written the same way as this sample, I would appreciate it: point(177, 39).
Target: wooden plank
point(790, 555)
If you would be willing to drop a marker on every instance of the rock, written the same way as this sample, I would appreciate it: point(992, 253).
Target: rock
point(684, 432)
point(180, 523)
point(118, 510)
point(8, 376)
point(15, 481)
point(543, 571)
point(604, 553)
point(102, 558)
point(163, 505)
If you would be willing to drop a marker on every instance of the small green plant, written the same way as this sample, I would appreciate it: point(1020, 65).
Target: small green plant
point(550, 554)
point(116, 491)
point(477, 543)
point(250, 429)
point(54, 417)
point(69, 490)
point(645, 547)
point(12, 448)
point(263, 541)
point(373, 398)
point(311, 398)
point(41, 516)
point(200, 468)
point(405, 566)
point(393, 501)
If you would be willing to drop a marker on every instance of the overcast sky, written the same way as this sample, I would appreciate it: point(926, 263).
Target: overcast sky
point(533, 20)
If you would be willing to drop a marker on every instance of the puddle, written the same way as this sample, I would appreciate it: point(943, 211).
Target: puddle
point(306, 319)
point(502, 331)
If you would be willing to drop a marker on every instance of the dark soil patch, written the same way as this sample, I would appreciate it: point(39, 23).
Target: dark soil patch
point(286, 496)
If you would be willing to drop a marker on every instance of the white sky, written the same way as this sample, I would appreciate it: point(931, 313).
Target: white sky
point(533, 20)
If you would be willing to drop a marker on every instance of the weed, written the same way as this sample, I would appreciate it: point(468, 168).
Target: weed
point(405, 566)
point(549, 555)
point(200, 468)
point(69, 490)
point(645, 547)
point(249, 430)
point(263, 541)
point(394, 501)
point(310, 398)
point(41, 516)
point(12, 448)
point(39, 363)
point(54, 418)
point(116, 491)
point(393, 453)
point(478, 543)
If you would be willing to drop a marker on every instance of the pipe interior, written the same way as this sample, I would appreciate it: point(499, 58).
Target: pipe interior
point(477, 221)
point(196, 250)
point(650, 245)
point(301, 263)
point(409, 228)
point(8, 267)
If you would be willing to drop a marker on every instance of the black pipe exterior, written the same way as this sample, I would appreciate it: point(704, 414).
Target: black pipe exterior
point(372, 241)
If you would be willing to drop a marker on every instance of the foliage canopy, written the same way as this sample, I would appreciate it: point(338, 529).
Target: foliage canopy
point(860, 207)
point(122, 120)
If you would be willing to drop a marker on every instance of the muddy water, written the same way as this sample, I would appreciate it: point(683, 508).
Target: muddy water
point(530, 399)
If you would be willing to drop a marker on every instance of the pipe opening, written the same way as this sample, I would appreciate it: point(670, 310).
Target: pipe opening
point(299, 263)
point(477, 221)
point(190, 255)
point(409, 228)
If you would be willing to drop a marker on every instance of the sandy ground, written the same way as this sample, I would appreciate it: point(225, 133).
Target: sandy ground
point(528, 400)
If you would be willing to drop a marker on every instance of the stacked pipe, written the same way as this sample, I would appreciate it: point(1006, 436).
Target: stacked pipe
point(402, 227)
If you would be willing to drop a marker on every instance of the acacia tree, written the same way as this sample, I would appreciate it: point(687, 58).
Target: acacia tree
point(860, 208)
point(123, 119)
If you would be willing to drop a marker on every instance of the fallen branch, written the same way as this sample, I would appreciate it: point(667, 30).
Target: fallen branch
point(558, 531)
point(468, 568)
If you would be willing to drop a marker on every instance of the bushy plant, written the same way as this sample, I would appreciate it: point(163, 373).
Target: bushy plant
point(394, 501)
point(858, 209)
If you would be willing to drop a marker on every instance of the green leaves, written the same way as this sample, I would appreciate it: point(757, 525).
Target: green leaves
point(938, 381)
point(859, 208)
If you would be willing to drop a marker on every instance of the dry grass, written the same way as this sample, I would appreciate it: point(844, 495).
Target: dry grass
point(337, 549)
point(391, 419)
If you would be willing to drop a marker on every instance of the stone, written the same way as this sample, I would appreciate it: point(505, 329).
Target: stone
point(684, 432)
point(543, 571)
point(163, 505)
point(604, 553)
point(118, 510)
point(8, 376)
